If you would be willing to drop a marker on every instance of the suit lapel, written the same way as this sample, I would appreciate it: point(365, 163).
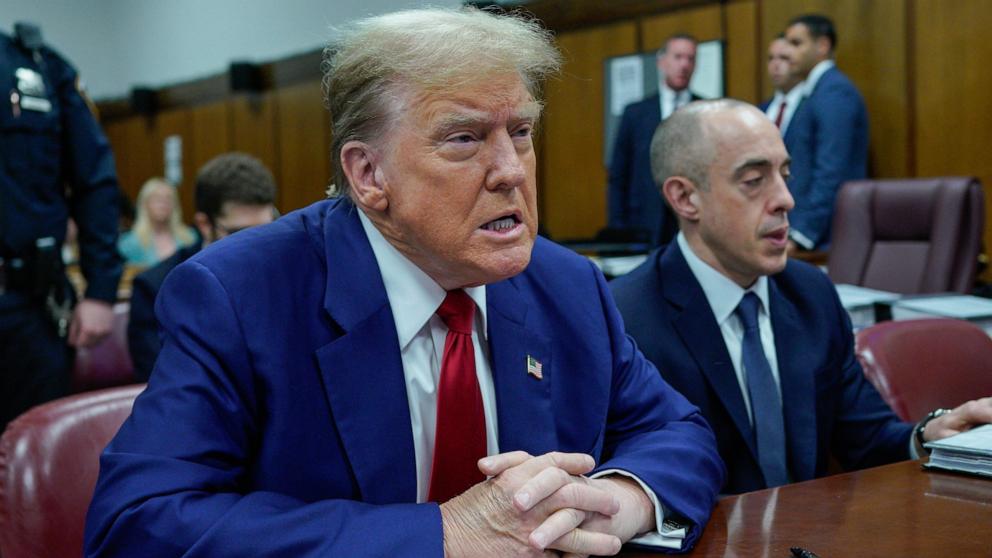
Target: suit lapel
point(700, 333)
point(523, 402)
point(362, 370)
point(798, 390)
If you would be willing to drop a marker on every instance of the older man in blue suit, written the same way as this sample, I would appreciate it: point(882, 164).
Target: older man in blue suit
point(828, 136)
point(760, 343)
point(342, 382)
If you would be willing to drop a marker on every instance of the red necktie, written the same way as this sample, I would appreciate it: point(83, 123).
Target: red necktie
point(460, 434)
point(781, 113)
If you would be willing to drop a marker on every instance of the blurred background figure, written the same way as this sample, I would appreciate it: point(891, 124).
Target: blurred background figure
point(158, 229)
point(787, 83)
point(55, 162)
point(234, 191)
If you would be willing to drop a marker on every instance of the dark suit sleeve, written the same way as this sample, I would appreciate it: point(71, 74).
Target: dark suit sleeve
point(173, 481)
point(838, 118)
point(142, 327)
point(866, 432)
point(89, 167)
point(654, 433)
point(618, 192)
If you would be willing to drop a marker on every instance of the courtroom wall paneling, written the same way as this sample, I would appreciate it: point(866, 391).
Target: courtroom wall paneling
point(573, 175)
point(133, 142)
point(303, 134)
point(177, 122)
point(744, 56)
point(253, 125)
point(703, 22)
point(872, 46)
point(953, 104)
point(211, 133)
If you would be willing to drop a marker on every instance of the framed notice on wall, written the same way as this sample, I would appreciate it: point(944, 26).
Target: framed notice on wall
point(631, 78)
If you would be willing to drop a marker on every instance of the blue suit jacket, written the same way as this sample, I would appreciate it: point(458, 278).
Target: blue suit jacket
point(633, 199)
point(276, 422)
point(828, 142)
point(829, 406)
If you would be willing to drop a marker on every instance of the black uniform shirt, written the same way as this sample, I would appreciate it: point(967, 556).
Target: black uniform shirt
point(49, 141)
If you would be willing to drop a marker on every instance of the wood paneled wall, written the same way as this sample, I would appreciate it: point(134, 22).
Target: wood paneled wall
point(287, 129)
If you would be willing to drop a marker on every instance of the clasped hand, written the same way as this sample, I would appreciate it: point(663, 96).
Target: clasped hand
point(542, 506)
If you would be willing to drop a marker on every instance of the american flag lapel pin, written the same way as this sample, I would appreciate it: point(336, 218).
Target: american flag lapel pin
point(534, 367)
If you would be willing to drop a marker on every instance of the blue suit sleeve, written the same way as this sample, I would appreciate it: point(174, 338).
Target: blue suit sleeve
point(89, 166)
point(838, 118)
point(654, 433)
point(177, 478)
point(618, 191)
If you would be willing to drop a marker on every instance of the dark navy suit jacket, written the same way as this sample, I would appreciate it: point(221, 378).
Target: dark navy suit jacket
point(276, 421)
point(829, 407)
point(142, 328)
point(828, 142)
point(633, 199)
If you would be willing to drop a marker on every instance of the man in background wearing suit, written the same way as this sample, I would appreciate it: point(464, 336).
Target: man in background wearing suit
point(233, 191)
point(632, 198)
point(788, 85)
point(828, 136)
point(760, 343)
point(341, 382)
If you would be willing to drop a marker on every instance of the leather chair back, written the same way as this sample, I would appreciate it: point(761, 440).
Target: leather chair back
point(921, 365)
point(49, 460)
point(108, 363)
point(908, 236)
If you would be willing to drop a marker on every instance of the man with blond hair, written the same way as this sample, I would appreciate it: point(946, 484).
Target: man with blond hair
point(403, 370)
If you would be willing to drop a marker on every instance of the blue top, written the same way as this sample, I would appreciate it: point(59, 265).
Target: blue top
point(135, 253)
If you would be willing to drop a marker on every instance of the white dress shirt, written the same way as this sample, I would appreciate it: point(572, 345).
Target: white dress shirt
point(724, 295)
point(791, 99)
point(414, 298)
point(671, 100)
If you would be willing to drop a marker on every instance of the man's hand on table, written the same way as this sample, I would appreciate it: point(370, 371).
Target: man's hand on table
point(535, 506)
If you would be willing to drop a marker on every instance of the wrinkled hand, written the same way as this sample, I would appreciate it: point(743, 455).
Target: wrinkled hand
point(91, 322)
point(964, 417)
point(530, 506)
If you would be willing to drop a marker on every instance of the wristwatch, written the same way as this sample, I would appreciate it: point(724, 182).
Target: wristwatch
point(918, 431)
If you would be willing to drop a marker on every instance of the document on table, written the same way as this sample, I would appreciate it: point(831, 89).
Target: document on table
point(969, 452)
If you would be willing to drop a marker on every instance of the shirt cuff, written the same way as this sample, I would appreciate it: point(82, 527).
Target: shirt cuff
point(668, 532)
point(801, 239)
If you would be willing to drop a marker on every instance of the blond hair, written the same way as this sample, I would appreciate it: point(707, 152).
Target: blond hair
point(143, 227)
point(431, 50)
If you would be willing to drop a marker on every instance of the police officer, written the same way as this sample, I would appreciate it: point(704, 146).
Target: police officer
point(54, 162)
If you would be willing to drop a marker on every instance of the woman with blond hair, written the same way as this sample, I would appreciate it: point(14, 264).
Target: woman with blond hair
point(158, 229)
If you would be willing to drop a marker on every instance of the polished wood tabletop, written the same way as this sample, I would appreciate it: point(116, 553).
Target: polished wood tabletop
point(894, 511)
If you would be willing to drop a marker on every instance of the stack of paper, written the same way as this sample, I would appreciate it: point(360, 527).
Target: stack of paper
point(860, 303)
point(964, 307)
point(969, 452)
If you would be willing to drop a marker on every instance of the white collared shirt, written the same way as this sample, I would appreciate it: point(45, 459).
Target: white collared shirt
point(814, 76)
point(723, 296)
point(414, 298)
point(672, 100)
point(792, 100)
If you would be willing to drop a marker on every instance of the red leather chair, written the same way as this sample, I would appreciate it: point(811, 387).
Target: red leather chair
point(908, 236)
point(49, 460)
point(107, 364)
point(920, 365)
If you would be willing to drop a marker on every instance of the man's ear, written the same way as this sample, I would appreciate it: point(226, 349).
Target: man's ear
point(682, 196)
point(202, 223)
point(823, 47)
point(365, 176)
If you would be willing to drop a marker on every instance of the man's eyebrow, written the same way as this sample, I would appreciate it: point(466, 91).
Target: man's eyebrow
point(468, 119)
point(760, 164)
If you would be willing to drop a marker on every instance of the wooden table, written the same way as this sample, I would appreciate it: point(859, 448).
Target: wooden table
point(894, 511)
